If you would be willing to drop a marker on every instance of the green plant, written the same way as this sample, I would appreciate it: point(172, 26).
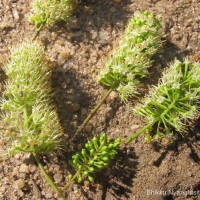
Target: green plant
point(48, 12)
point(27, 103)
point(130, 59)
point(173, 102)
point(95, 157)
point(28, 110)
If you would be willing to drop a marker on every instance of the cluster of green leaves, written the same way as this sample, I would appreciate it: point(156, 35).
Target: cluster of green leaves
point(132, 57)
point(96, 156)
point(48, 12)
point(27, 102)
point(174, 101)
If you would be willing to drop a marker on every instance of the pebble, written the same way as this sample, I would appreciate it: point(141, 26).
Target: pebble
point(58, 177)
point(32, 168)
point(2, 189)
point(114, 95)
point(94, 35)
point(74, 23)
point(19, 184)
point(15, 14)
point(24, 169)
point(64, 85)
point(135, 126)
point(75, 107)
point(108, 109)
point(49, 195)
point(103, 37)
point(20, 193)
point(87, 185)
point(61, 60)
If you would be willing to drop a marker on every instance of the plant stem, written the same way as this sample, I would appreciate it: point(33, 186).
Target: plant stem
point(38, 32)
point(94, 111)
point(140, 131)
point(26, 117)
point(48, 178)
point(70, 181)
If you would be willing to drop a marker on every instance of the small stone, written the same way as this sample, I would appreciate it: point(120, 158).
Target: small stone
point(87, 185)
point(32, 168)
point(74, 23)
point(24, 169)
point(49, 196)
point(75, 188)
point(114, 95)
point(2, 189)
point(64, 85)
point(151, 163)
point(103, 37)
point(75, 107)
point(58, 177)
point(94, 35)
point(20, 193)
point(189, 174)
point(61, 60)
point(135, 126)
point(15, 14)
point(19, 184)
point(108, 109)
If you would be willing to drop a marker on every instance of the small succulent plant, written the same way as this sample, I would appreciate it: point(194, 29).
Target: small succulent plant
point(28, 110)
point(95, 157)
point(173, 102)
point(131, 58)
point(48, 12)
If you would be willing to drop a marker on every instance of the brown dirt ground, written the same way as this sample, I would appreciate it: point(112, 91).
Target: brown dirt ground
point(141, 171)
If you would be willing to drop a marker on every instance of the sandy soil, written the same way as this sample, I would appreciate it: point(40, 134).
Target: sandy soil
point(77, 49)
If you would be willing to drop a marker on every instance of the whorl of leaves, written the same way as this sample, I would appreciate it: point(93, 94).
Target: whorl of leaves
point(48, 12)
point(96, 156)
point(174, 101)
point(131, 58)
point(28, 110)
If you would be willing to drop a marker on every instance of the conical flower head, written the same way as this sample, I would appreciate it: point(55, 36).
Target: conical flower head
point(131, 58)
point(48, 12)
point(27, 105)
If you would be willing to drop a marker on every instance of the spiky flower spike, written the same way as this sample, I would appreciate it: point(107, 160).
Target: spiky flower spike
point(48, 12)
point(173, 102)
point(132, 57)
point(95, 157)
point(27, 105)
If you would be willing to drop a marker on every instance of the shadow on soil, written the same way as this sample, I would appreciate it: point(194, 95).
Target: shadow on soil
point(190, 139)
point(120, 180)
point(71, 99)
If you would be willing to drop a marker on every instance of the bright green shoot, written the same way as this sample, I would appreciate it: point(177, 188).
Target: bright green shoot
point(95, 157)
point(131, 59)
point(172, 103)
point(48, 12)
